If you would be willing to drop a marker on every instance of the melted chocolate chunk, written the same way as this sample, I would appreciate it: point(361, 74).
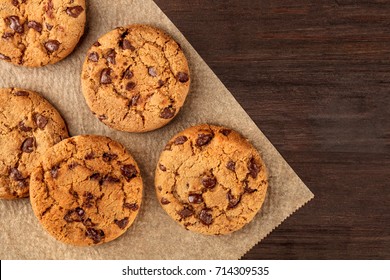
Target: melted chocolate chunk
point(95, 177)
point(28, 145)
point(209, 182)
point(134, 100)
point(88, 223)
point(52, 45)
point(88, 200)
point(164, 201)
point(130, 86)
point(107, 157)
point(129, 171)
point(195, 198)
point(180, 140)
point(203, 139)
point(4, 57)
point(14, 24)
point(75, 215)
point(97, 44)
point(40, 120)
point(105, 77)
point(7, 35)
point(74, 11)
point(233, 201)
point(126, 45)
point(205, 217)
point(225, 132)
point(35, 25)
point(89, 156)
point(95, 234)
point(167, 113)
point(160, 83)
point(73, 165)
point(231, 165)
point(23, 127)
point(162, 167)
point(128, 74)
point(54, 171)
point(122, 223)
point(21, 93)
point(185, 213)
point(111, 179)
point(110, 56)
point(182, 77)
point(15, 174)
point(93, 56)
point(253, 168)
point(102, 118)
point(131, 206)
point(49, 9)
point(152, 72)
point(49, 26)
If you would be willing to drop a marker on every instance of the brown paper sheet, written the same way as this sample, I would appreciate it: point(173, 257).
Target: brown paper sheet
point(154, 235)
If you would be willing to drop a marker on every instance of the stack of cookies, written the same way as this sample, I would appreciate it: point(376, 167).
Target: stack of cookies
point(87, 189)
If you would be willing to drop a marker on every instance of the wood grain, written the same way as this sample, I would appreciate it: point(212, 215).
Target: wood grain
point(315, 77)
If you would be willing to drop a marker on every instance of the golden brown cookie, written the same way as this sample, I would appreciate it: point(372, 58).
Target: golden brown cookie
point(29, 125)
point(211, 180)
point(38, 32)
point(135, 78)
point(87, 190)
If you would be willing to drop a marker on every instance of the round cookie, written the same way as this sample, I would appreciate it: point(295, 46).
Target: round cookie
point(29, 125)
point(135, 78)
point(35, 33)
point(211, 180)
point(86, 191)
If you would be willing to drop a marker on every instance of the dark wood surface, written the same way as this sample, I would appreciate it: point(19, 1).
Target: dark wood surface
point(315, 77)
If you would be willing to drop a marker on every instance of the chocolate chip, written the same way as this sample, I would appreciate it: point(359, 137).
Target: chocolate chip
point(249, 190)
point(73, 165)
point(14, 24)
point(130, 86)
point(111, 179)
point(21, 93)
point(102, 118)
point(22, 184)
point(152, 72)
point(164, 201)
point(131, 206)
point(126, 45)
point(74, 193)
point(168, 113)
point(129, 171)
point(225, 132)
point(4, 57)
point(253, 168)
point(88, 202)
point(15, 174)
point(54, 171)
point(97, 44)
point(231, 165)
point(162, 167)
point(182, 77)
point(49, 9)
point(107, 157)
point(28, 145)
point(89, 156)
point(128, 74)
point(7, 35)
point(15, 3)
point(49, 26)
point(88, 223)
point(185, 213)
point(203, 139)
point(195, 198)
point(75, 215)
point(160, 83)
point(35, 25)
point(134, 100)
point(105, 77)
point(23, 127)
point(233, 201)
point(40, 120)
point(52, 45)
point(93, 56)
point(122, 223)
point(180, 140)
point(110, 56)
point(95, 234)
point(95, 177)
point(74, 11)
point(209, 182)
point(205, 217)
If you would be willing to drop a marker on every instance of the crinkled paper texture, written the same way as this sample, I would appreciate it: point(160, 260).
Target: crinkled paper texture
point(154, 235)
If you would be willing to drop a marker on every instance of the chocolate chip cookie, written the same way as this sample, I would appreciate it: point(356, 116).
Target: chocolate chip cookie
point(211, 180)
point(135, 78)
point(34, 33)
point(29, 125)
point(86, 191)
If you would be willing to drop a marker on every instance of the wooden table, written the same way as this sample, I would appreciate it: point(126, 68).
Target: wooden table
point(315, 77)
